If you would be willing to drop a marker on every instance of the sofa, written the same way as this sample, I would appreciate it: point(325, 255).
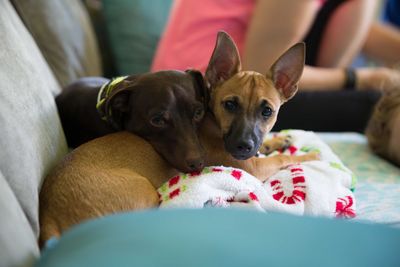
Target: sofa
point(32, 138)
point(47, 44)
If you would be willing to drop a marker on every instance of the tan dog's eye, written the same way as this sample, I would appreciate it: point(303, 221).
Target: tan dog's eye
point(198, 114)
point(266, 112)
point(158, 121)
point(230, 105)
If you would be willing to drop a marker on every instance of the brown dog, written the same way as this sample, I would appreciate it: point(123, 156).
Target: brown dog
point(115, 173)
point(120, 172)
point(164, 108)
point(244, 107)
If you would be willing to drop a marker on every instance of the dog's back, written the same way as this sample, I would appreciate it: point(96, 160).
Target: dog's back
point(384, 127)
point(78, 114)
point(115, 173)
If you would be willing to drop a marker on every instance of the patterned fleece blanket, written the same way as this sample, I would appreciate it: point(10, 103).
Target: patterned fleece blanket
point(321, 188)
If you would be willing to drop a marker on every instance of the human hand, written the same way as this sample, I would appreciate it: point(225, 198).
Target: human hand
point(380, 78)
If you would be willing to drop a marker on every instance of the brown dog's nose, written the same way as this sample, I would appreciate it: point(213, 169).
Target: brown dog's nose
point(195, 164)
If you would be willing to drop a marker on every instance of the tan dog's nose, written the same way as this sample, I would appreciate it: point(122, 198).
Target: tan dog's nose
point(245, 146)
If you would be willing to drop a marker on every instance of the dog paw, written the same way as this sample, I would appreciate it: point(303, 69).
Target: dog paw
point(276, 143)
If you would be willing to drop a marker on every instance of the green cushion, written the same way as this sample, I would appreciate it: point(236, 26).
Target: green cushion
point(223, 237)
point(134, 28)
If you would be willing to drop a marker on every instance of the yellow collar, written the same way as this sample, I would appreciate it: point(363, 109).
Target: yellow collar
point(105, 91)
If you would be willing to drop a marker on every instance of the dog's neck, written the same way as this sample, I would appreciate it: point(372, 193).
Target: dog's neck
point(210, 126)
point(105, 91)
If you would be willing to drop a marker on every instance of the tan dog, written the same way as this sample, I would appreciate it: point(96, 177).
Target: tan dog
point(383, 129)
point(244, 107)
point(120, 172)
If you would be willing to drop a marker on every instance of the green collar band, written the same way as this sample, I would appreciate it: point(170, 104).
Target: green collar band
point(105, 91)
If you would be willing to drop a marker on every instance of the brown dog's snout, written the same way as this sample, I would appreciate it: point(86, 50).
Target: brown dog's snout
point(195, 164)
point(193, 155)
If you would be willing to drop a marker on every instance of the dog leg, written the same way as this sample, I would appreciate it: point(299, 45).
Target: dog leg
point(48, 229)
point(276, 143)
point(263, 168)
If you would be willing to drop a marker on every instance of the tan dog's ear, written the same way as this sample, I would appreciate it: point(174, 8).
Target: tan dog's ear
point(287, 70)
point(224, 62)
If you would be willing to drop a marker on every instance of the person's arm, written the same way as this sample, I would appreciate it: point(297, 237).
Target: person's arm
point(320, 79)
point(267, 39)
point(275, 26)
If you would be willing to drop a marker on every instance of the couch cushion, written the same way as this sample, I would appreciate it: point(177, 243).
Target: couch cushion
point(223, 237)
point(17, 241)
point(134, 28)
point(63, 32)
point(31, 136)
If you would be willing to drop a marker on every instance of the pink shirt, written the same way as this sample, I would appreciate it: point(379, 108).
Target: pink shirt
point(189, 37)
point(190, 34)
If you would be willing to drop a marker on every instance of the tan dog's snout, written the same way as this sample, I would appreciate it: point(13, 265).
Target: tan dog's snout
point(243, 139)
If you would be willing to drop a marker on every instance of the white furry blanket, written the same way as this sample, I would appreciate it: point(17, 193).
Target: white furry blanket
point(322, 187)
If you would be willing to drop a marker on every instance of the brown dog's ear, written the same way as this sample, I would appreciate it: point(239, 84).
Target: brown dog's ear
point(200, 86)
point(117, 104)
point(287, 70)
point(224, 62)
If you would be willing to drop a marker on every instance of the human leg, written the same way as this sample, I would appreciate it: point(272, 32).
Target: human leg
point(268, 35)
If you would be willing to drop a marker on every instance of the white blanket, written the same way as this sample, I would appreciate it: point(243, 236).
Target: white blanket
point(322, 187)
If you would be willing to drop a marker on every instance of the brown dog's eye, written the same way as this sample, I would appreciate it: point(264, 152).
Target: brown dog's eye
point(266, 112)
point(230, 105)
point(158, 121)
point(198, 114)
